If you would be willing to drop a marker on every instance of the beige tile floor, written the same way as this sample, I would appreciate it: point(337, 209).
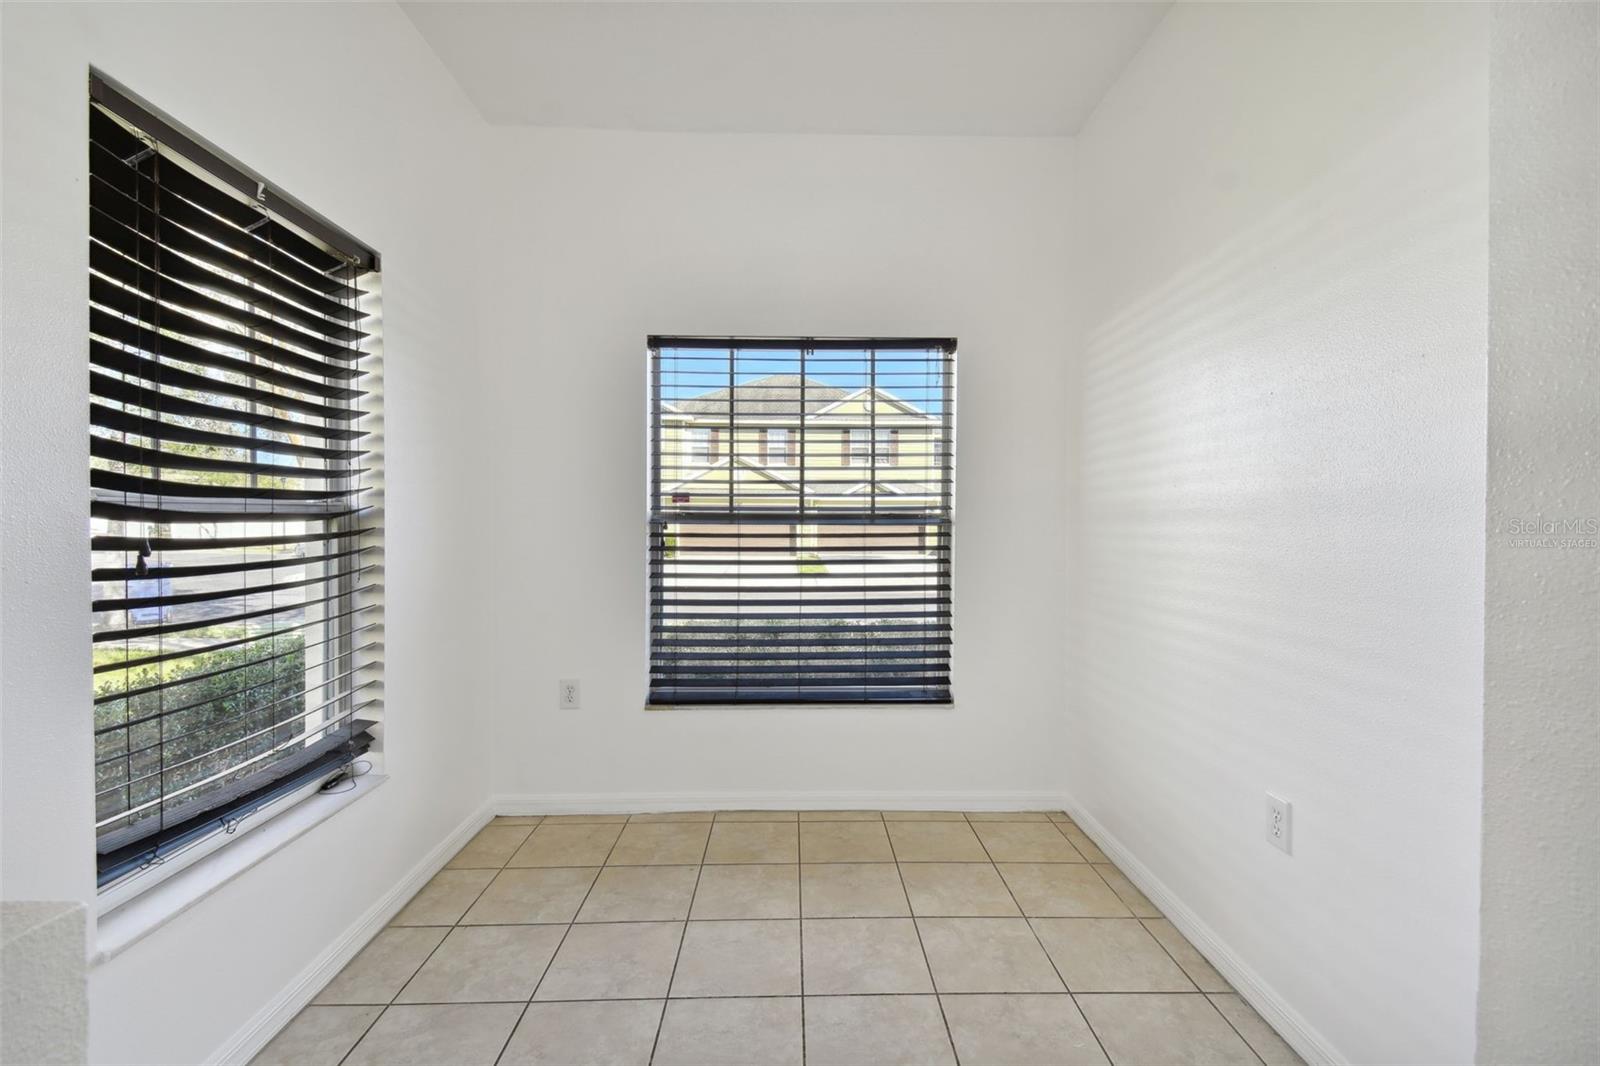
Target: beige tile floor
point(754, 937)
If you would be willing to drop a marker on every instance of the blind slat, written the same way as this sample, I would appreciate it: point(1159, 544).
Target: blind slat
point(164, 375)
point(120, 573)
point(206, 675)
point(176, 599)
point(146, 315)
point(139, 455)
point(155, 429)
point(125, 392)
point(121, 207)
point(159, 182)
point(142, 632)
point(163, 346)
point(146, 253)
point(250, 324)
point(113, 481)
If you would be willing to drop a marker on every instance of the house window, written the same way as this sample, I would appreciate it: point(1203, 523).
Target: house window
point(888, 447)
point(866, 445)
point(822, 573)
point(858, 447)
point(700, 445)
point(778, 447)
point(233, 538)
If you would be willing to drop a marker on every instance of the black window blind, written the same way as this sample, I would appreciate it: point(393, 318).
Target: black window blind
point(234, 519)
point(799, 533)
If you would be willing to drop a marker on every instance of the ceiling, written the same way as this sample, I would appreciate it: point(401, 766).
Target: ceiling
point(957, 68)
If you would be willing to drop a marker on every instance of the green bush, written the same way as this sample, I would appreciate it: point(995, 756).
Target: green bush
point(247, 702)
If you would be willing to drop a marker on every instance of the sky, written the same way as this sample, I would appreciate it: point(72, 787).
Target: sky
point(911, 375)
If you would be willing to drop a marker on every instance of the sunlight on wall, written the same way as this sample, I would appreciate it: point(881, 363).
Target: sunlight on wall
point(1274, 567)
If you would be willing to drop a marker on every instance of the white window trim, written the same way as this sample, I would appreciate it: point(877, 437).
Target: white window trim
point(783, 450)
point(131, 908)
point(860, 445)
point(699, 441)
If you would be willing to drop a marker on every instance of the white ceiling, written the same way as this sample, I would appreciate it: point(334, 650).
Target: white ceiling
point(985, 68)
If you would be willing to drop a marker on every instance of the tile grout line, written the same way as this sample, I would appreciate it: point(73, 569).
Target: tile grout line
point(1141, 920)
point(551, 961)
point(825, 862)
point(1037, 940)
point(1259, 1057)
point(683, 934)
point(360, 1038)
point(1101, 1044)
point(799, 865)
point(800, 920)
point(1203, 993)
point(1072, 846)
point(814, 918)
point(912, 911)
point(452, 927)
point(764, 995)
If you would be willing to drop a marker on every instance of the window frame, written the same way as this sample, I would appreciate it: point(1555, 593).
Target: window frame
point(787, 450)
point(858, 447)
point(701, 444)
point(338, 602)
point(895, 502)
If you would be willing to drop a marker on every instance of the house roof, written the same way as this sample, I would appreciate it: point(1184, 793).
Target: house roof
point(741, 466)
point(775, 394)
point(880, 396)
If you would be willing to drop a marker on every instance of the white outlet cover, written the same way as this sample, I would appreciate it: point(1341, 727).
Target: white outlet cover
point(1280, 823)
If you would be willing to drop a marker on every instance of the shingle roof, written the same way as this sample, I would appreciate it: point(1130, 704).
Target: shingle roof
point(775, 394)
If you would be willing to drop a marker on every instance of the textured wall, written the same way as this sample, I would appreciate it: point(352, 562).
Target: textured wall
point(1541, 813)
point(1277, 544)
point(346, 107)
point(44, 997)
point(608, 237)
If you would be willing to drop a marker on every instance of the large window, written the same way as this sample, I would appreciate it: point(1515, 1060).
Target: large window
point(813, 565)
point(233, 530)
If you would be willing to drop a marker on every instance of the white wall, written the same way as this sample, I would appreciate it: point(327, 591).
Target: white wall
point(1277, 544)
point(346, 108)
point(1541, 812)
point(608, 237)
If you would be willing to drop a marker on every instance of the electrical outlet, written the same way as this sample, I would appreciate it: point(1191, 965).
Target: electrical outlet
point(567, 694)
point(1279, 812)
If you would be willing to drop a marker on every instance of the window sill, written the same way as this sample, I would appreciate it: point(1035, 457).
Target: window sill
point(821, 705)
point(130, 920)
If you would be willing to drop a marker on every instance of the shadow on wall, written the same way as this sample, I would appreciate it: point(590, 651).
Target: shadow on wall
point(1276, 447)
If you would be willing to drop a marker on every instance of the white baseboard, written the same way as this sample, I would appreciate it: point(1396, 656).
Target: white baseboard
point(1295, 1030)
point(652, 802)
point(268, 1021)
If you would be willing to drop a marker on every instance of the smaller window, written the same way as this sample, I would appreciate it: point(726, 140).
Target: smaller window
point(858, 448)
point(702, 445)
point(888, 447)
point(778, 447)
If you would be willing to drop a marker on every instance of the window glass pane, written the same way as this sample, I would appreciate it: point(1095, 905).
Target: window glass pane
point(814, 563)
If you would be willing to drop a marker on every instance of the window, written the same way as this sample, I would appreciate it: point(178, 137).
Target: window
point(778, 447)
point(888, 447)
point(866, 446)
point(701, 443)
point(811, 572)
point(858, 447)
point(233, 526)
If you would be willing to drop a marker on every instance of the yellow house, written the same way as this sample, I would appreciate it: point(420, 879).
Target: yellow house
point(790, 445)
